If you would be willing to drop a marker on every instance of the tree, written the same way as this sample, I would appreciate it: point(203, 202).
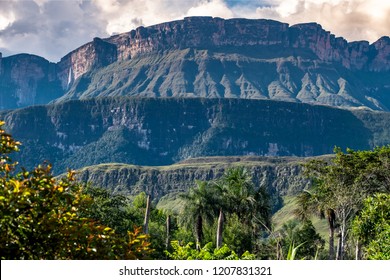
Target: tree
point(342, 185)
point(168, 232)
point(239, 192)
point(109, 209)
point(237, 196)
point(138, 210)
point(300, 238)
point(43, 218)
point(371, 227)
point(147, 216)
point(220, 228)
point(233, 195)
point(315, 201)
point(200, 207)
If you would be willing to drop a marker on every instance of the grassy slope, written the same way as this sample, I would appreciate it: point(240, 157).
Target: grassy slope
point(286, 213)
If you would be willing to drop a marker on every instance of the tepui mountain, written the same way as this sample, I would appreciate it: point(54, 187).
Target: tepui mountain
point(211, 58)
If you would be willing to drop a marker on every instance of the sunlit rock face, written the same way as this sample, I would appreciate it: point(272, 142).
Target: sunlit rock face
point(90, 56)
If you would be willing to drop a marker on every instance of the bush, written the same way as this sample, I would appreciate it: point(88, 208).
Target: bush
point(41, 217)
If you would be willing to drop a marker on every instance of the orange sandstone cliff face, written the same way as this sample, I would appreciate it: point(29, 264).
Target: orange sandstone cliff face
point(208, 33)
point(95, 54)
point(201, 33)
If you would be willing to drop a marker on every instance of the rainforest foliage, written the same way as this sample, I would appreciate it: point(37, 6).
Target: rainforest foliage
point(352, 192)
point(43, 217)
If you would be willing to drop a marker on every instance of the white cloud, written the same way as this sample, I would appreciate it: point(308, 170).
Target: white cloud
point(216, 8)
point(5, 21)
point(108, 6)
point(124, 15)
point(352, 19)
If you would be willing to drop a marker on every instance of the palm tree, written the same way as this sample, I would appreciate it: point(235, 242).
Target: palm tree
point(313, 203)
point(239, 192)
point(234, 193)
point(199, 207)
point(237, 195)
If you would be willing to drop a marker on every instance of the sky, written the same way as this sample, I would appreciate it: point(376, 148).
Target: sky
point(53, 28)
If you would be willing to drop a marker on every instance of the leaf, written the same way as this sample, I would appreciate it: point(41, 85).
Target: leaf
point(16, 185)
point(26, 193)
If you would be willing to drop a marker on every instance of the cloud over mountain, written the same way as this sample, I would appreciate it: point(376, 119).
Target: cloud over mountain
point(51, 28)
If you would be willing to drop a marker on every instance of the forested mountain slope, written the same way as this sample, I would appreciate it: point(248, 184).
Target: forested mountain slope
point(162, 131)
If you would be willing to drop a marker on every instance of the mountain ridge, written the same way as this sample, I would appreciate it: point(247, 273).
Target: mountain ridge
point(210, 57)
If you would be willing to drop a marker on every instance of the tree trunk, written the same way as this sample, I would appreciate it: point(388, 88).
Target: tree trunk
point(278, 250)
point(331, 223)
point(344, 215)
point(339, 249)
point(342, 242)
point(147, 215)
point(358, 251)
point(199, 232)
point(220, 228)
point(331, 241)
point(168, 227)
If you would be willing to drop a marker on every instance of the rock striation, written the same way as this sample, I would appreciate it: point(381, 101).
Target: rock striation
point(279, 176)
point(201, 33)
point(95, 54)
point(211, 33)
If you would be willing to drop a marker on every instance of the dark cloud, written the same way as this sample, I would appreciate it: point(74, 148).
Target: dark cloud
point(51, 29)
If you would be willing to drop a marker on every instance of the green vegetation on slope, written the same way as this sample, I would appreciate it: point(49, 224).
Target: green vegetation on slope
point(45, 218)
point(278, 175)
point(163, 131)
point(226, 218)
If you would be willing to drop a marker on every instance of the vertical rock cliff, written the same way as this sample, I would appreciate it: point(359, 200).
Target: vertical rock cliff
point(380, 55)
point(27, 80)
point(211, 33)
point(93, 55)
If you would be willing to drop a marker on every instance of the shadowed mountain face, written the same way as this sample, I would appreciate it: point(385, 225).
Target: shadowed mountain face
point(27, 80)
point(161, 131)
point(209, 57)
